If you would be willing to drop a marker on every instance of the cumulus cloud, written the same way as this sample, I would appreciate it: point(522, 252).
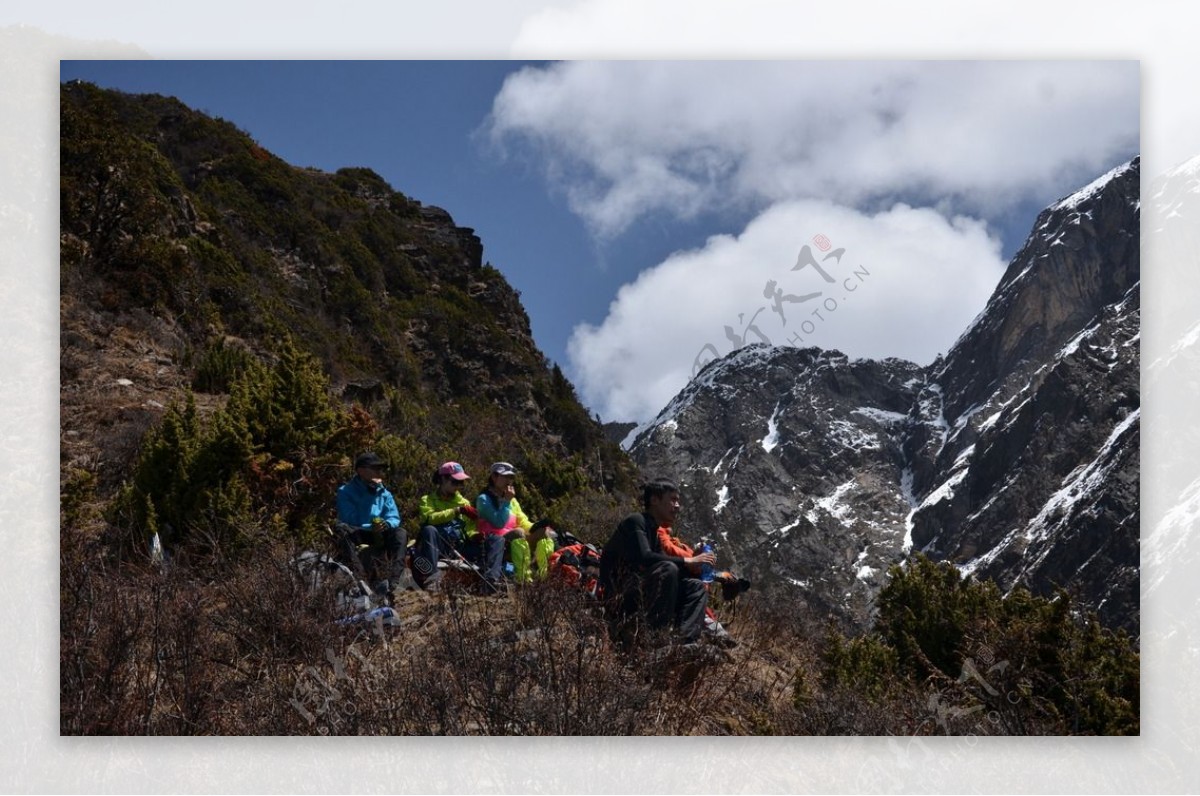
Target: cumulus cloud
point(907, 283)
point(625, 139)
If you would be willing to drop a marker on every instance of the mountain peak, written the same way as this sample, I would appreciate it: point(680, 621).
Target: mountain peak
point(1097, 185)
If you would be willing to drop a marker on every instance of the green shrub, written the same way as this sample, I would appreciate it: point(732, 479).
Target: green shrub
point(925, 610)
point(274, 450)
point(219, 366)
point(1007, 650)
point(866, 665)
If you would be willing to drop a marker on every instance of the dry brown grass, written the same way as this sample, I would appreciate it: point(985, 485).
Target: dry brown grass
point(251, 649)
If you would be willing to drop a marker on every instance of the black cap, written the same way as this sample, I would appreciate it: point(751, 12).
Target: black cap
point(368, 460)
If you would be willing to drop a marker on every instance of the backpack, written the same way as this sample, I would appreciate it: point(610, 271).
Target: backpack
point(577, 564)
point(354, 600)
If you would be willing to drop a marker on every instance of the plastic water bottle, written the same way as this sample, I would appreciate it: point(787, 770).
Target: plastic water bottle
point(386, 614)
point(706, 570)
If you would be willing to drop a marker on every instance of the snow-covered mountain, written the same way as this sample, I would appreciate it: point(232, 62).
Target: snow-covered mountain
point(1016, 455)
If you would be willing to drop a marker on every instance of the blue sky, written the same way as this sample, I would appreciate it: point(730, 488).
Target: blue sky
point(642, 207)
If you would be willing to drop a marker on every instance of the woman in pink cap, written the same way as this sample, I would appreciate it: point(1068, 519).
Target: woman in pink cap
point(447, 525)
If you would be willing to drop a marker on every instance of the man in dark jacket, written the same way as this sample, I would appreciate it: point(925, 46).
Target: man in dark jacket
point(639, 578)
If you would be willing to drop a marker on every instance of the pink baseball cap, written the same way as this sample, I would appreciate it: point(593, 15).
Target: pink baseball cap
point(454, 470)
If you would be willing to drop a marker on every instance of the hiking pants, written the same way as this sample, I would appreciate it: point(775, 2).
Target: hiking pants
point(493, 556)
point(383, 556)
point(433, 543)
point(671, 598)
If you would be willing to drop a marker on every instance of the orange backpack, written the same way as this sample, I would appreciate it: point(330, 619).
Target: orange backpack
point(572, 563)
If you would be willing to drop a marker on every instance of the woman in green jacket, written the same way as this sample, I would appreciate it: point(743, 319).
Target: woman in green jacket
point(447, 525)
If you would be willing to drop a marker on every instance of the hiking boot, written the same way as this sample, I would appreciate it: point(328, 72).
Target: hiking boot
point(383, 591)
point(405, 582)
point(717, 634)
point(725, 641)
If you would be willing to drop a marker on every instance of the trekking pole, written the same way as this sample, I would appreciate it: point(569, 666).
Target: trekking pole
point(474, 569)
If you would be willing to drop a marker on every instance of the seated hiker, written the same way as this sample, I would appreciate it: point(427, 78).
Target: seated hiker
point(367, 517)
point(639, 579)
point(502, 524)
point(447, 526)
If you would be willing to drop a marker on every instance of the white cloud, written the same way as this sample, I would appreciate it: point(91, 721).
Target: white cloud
point(803, 143)
point(909, 282)
point(624, 139)
point(1161, 36)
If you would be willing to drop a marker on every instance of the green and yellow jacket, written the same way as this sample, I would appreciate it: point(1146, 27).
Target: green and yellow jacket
point(443, 514)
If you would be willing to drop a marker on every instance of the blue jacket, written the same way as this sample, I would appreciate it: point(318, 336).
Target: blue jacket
point(358, 502)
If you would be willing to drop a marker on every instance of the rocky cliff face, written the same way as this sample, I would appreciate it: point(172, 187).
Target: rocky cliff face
point(1016, 456)
point(1038, 484)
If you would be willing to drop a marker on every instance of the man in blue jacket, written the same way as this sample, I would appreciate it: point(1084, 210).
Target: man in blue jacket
point(367, 515)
